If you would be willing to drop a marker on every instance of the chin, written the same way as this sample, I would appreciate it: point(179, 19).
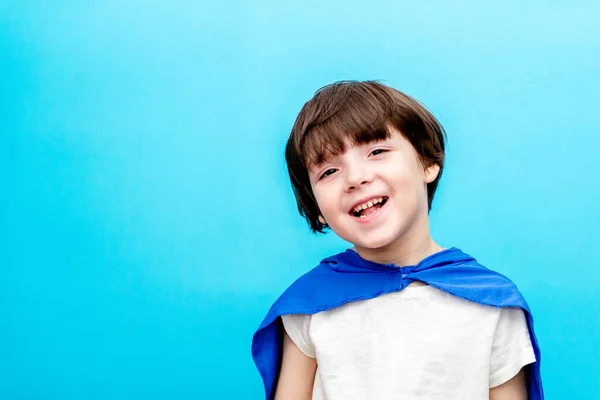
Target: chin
point(376, 242)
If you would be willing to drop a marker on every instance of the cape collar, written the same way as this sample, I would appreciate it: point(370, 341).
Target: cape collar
point(351, 261)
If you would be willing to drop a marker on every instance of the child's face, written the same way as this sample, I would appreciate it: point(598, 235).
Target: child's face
point(374, 195)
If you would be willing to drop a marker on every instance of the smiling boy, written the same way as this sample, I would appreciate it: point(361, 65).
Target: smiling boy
point(397, 316)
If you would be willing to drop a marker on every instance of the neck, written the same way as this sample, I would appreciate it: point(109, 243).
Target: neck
point(402, 255)
point(409, 249)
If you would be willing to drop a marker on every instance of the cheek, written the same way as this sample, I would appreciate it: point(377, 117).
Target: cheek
point(402, 181)
point(408, 188)
point(321, 198)
point(325, 201)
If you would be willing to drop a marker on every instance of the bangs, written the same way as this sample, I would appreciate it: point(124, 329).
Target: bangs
point(353, 123)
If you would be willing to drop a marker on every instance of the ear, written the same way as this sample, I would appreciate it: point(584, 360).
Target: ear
point(431, 173)
point(322, 220)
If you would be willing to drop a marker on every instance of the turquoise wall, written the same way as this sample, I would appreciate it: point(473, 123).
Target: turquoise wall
point(146, 220)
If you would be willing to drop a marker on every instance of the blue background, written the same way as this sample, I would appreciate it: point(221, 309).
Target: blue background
point(146, 219)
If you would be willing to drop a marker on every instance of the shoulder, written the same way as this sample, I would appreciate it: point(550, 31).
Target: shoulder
point(471, 280)
point(314, 277)
point(294, 300)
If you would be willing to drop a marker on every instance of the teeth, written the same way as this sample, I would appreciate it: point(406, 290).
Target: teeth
point(368, 204)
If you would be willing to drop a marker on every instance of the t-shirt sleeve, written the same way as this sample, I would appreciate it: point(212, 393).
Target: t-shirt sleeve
point(297, 327)
point(512, 348)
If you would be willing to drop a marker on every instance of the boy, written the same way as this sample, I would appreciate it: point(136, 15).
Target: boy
point(397, 316)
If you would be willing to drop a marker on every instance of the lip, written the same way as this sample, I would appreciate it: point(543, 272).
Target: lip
point(364, 200)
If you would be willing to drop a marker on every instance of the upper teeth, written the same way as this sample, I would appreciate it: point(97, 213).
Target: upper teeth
point(369, 203)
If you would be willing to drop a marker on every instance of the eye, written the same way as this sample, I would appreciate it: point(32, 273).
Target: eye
point(328, 172)
point(377, 152)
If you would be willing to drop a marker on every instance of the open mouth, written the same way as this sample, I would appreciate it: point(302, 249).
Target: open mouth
point(369, 207)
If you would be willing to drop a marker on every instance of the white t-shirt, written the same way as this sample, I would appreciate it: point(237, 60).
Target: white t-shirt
point(418, 343)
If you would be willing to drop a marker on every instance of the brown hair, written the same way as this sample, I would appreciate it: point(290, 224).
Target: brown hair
point(359, 112)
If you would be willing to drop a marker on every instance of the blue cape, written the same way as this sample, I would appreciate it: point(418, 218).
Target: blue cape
point(347, 277)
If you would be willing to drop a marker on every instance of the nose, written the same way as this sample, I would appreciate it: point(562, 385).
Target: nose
point(357, 176)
